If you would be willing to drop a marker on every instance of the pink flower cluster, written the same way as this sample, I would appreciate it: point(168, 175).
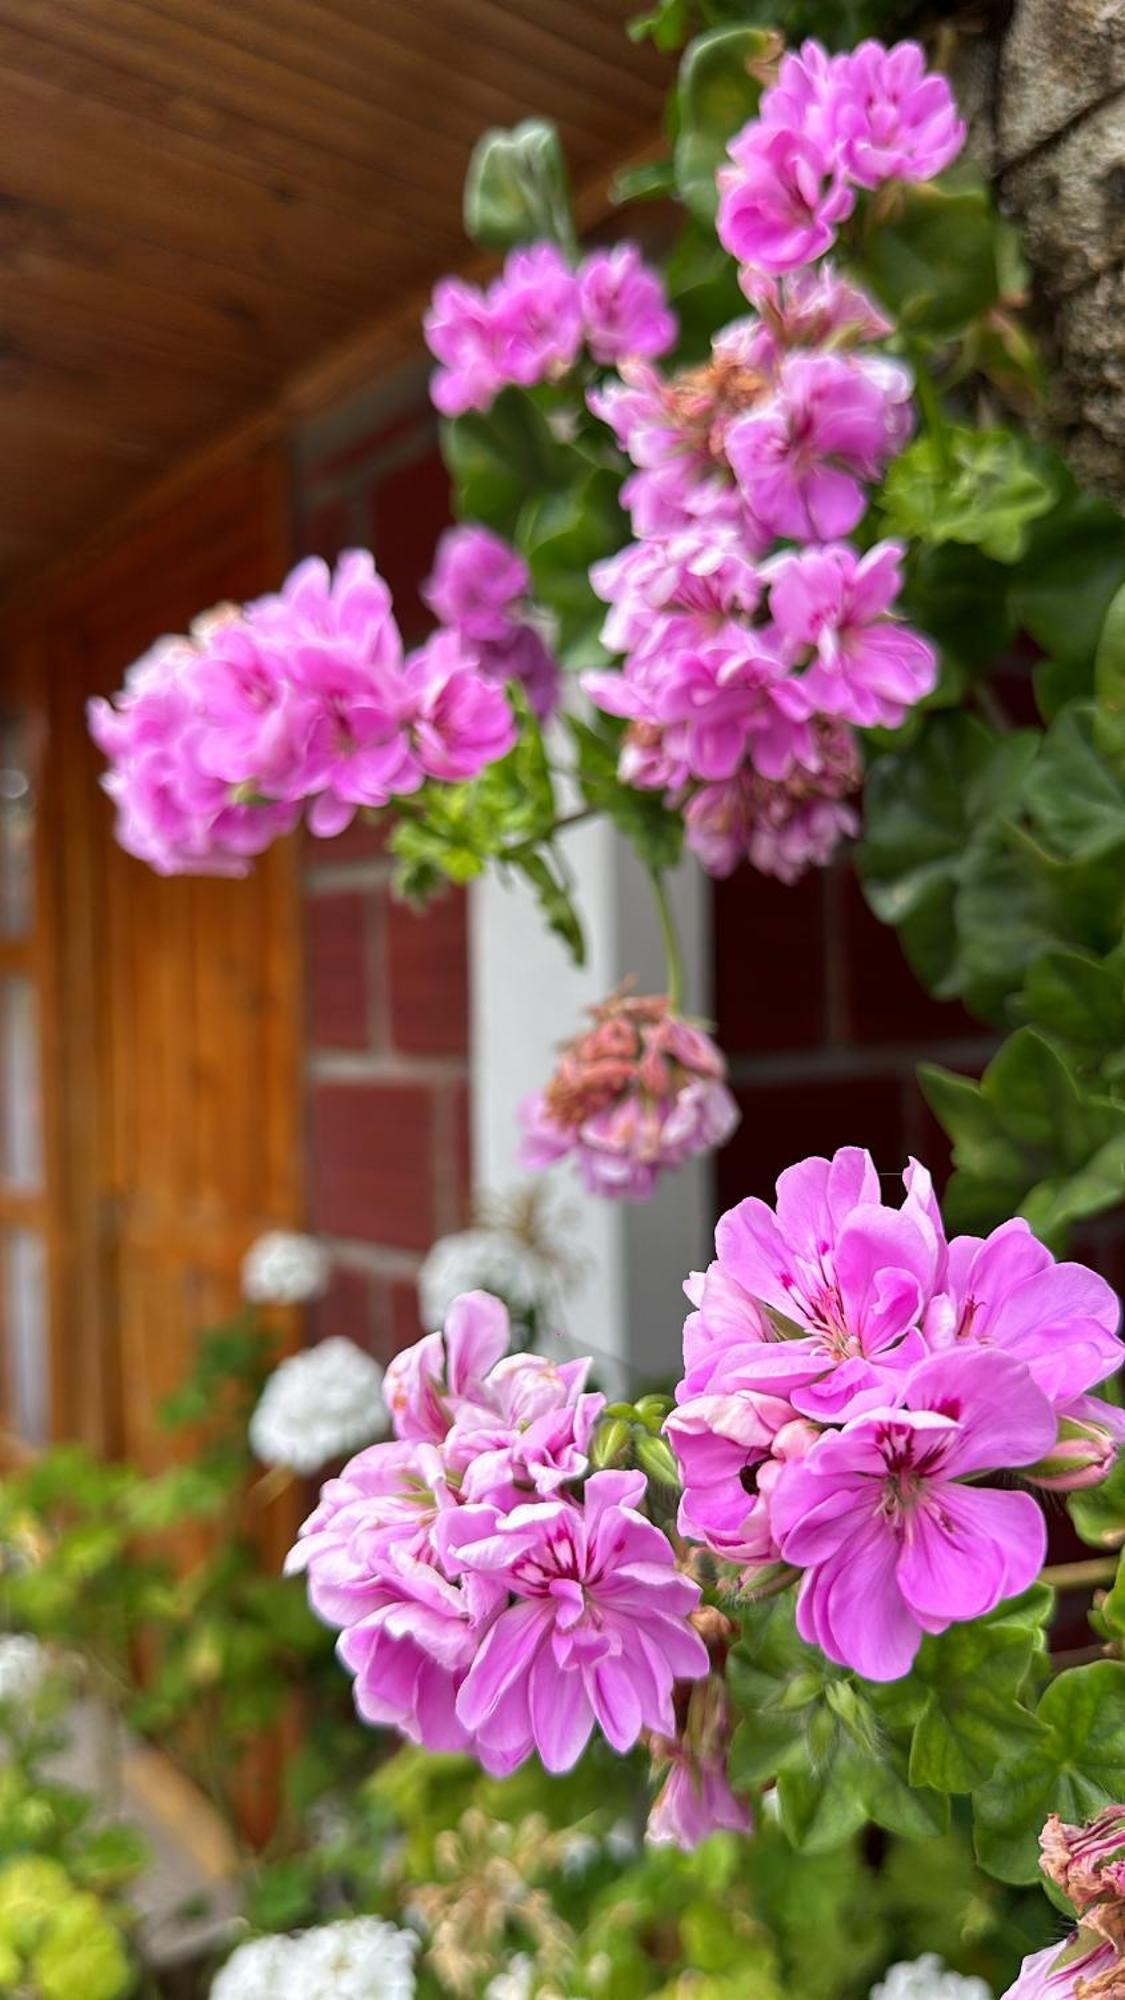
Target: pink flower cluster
point(853, 1380)
point(533, 321)
point(480, 588)
point(640, 1091)
point(830, 125)
point(491, 1596)
point(756, 640)
point(301, 699)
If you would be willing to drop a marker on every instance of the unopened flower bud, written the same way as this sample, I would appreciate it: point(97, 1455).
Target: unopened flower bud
point(655, 1459)
point(611, 1444)
point(1082, 1455)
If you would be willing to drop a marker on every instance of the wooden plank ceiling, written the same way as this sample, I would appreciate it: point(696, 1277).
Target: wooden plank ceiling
point(199, 198)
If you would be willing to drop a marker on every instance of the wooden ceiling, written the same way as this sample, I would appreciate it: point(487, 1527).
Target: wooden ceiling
point(199, 198)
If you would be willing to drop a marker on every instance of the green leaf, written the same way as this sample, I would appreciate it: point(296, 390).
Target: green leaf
point(516, 188)
point(973, 1719)
point(932, 259)
point(655, 833)
point(1073, 564)
point(984, 488)
point(1074, 1768)
point(496, 461)
point(1109, 684)
point(1099, 1512)
point(959, 597)
point(554, 901)
point(1055, 1205)
point(1077, 997)
point(562, 534)
point(1074, 795)
point(924, 808)
point(718, 94)
point(1028, 1123)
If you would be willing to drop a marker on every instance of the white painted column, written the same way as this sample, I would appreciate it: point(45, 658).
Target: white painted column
point(527, 997)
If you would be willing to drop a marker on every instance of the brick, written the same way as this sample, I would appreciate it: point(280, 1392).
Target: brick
point(372, 1151)
point(884, 1001)
point(409, 507)
point(783, 1122)
point(405, 1325)
point(361, 841)
point(347, 1308)
point(337, 984)
point(769, 962)
point(427, 958)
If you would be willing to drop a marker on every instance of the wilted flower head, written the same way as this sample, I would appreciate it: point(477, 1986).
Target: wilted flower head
point(361, 1958)
point(1083, 1967)
point(283, 1268)
point(1088, 1865)
point(640, 1091)
point(317, 1406)
point(695, 1798)
point(927, 1978)
point(782, 825)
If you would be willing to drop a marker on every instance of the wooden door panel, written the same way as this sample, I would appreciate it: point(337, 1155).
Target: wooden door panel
point(179, 1087)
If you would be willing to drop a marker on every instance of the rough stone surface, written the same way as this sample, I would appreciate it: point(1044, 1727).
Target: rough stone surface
point(1045, 97)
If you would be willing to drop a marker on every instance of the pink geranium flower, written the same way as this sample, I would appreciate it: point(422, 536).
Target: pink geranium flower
point(892, 1540)
point(781, 198)
point(831, 608)
point(476, 582)
point(458, 720)
point(803, 458)
point(898, 121)
point(826, 1294)
point(781, 825)
point(624, 307)
point(696, 1799)
point(597, 1633)
point(1006, 1292)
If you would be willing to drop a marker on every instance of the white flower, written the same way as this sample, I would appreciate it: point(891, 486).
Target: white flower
point(516, 1983)
point(284, 1269)
point(320, 1404)
point(481, 1260)
point(363, 1958)
point(926, 1978)
point(23, 1666)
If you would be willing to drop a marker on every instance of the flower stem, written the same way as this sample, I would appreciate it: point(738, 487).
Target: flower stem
point(672, 953)
point(1080, 1575)
point(929, 402)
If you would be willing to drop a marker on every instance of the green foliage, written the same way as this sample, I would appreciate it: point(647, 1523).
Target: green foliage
point(516, 188)
point(652, 830)
point(1074, 1767)
point(56, 1940)
point(932, 257)
point(718, 91)
point(982, 488)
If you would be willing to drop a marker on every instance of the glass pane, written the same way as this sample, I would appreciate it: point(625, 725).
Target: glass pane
point(21, 1152)
point(25, 1329)
point(17, 829)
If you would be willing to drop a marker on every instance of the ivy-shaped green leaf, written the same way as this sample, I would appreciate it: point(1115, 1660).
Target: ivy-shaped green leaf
point(974, 1676)
point(984, 488)
point(1076, 1766)
point(931, 256)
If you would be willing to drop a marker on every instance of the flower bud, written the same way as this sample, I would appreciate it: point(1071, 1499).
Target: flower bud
point(1082, 1455)
point(611, 1444)
point(655, 1459)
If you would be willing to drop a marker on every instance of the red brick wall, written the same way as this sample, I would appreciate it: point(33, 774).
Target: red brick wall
point(387, 1008)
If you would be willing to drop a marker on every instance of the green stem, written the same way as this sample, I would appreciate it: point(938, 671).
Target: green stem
point(929, 402)
point(672, 953)
point(1080, 1575)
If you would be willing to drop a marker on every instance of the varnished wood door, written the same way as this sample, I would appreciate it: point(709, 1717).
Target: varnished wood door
point(177, 1092)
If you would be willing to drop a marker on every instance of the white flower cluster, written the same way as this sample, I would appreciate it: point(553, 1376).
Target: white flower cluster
point(516, 1983)
point(23, 1666)
point(482, 1260)
point(363, 1958)
point(321, 1404)
point(926, 1978)
point(284, 1269)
